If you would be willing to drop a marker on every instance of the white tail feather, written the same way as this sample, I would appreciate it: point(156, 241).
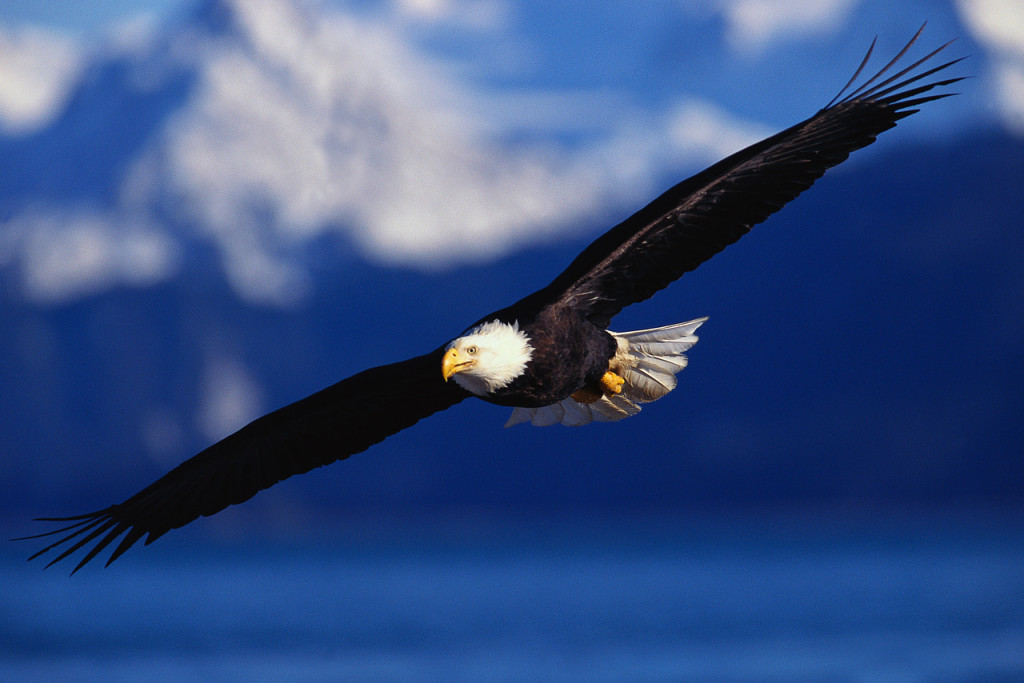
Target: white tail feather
point(647, 359)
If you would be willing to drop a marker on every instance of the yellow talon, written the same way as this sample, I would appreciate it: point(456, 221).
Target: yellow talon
point(612, 383)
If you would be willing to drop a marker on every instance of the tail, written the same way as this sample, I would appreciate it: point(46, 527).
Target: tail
point(647, 359)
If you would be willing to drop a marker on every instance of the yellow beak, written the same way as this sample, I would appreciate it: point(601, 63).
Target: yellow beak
point(453, 362)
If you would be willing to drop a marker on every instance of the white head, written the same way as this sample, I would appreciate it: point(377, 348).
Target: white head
point(487, 357)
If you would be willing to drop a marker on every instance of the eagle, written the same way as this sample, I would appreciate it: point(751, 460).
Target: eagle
point(549, 356)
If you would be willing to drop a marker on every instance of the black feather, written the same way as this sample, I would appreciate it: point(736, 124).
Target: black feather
point(699, 217)
point(331, 425)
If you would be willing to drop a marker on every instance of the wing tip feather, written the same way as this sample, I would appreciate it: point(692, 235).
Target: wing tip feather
point(877, 86)
point(85, 530)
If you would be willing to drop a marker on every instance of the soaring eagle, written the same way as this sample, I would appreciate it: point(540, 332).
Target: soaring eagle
point(550, 355)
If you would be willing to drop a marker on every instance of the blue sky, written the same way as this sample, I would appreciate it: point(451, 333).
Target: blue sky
point(81, 16)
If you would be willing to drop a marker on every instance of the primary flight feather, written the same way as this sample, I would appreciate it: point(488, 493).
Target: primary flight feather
point(550, 355)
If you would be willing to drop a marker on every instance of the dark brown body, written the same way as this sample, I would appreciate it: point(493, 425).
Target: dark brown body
point(570, 352)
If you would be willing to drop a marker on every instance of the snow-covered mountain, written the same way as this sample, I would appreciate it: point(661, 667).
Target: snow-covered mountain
point(207, 217)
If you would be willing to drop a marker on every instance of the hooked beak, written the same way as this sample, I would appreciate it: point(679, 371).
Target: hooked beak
point(453, 362)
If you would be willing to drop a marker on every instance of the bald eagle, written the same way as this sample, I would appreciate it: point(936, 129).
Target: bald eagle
point(550, 355)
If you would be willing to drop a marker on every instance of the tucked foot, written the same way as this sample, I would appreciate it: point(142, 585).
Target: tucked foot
point(612, 383)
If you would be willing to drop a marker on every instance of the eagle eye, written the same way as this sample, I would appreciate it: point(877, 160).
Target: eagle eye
point(471, 350)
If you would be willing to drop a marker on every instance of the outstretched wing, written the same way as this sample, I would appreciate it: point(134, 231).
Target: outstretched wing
point(700, 216)
point(332, 424)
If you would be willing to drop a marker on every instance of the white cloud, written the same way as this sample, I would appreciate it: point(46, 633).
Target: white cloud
point(366, 135)
point(999, 26)
point(336, 124)
point(37, 70)
point(473, 14)
point(1009, 78)
point(630, 163)
point(303, 125)
point(752, 25)
point(230, 397)
point(702, 130)
point(997, 23)
point(68, 254)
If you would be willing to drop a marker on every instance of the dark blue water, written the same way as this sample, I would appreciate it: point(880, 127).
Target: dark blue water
point(909, 598)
